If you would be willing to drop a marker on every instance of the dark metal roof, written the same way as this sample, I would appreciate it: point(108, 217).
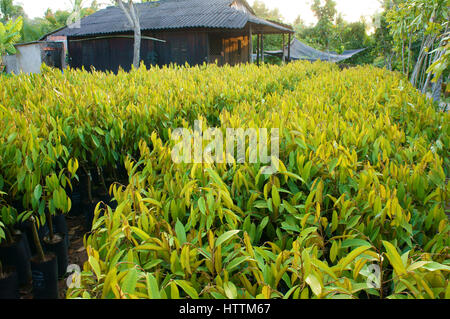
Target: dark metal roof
point(171, 14)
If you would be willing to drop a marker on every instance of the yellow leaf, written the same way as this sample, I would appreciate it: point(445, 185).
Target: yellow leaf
point(394, 258)
point(314, 283)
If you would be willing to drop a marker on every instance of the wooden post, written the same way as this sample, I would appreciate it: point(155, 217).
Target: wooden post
point(283, 59)
point(262, 48)
point(250, 45)
point(257, 49)
point(289, 48)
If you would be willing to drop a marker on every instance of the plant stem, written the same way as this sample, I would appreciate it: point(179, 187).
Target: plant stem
point(50, 225)
point(9, 237)
point(37, 242)
point(89, 185)
point(102, 179)
point(114, 172)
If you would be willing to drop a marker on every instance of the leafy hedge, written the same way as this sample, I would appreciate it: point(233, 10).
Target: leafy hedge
point(361, 191)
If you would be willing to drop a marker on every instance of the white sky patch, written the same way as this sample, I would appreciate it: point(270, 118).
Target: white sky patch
point(37, 8)
point(352, 10)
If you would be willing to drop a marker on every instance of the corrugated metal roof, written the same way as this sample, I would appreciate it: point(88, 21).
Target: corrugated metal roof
point(169, 14)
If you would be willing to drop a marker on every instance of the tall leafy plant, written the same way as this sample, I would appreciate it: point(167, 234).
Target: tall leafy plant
point(9, 35)
point(425, 21)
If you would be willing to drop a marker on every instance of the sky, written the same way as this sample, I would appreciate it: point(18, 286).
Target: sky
point(352, 10)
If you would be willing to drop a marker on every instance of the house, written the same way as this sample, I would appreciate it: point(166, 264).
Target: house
point(30, 56)
point(173, 31)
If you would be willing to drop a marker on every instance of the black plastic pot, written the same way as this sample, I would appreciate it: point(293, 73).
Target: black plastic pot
point(45, 277)
point(82, 189)
point(9, 285)
point(26, 243)
point(76, 198)
point(89, 215)
point(60, 225)
point(59, 248)
point(26, 228)
point(16, 255)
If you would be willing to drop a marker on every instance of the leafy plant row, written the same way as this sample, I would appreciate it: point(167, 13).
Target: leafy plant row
point(357, 209)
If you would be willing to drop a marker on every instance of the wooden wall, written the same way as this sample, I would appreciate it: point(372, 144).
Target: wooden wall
point(181, 47)
point(191, 46)
point(233, 49)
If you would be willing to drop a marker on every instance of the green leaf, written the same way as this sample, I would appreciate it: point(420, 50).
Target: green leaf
point(96, 141)
point(354, 243)
point(226, 236)
point(230, 290)
point(180, 232)
point(152, 287)
point(351, 256)
point(11, 138)
point(275, 197)
point(202, 205)
point(152, 263)
point(434, 266)
point(143, 235)
point(236, 262)
point(290, 291)
point(129, 282)
point(186, 286)
point(95, 266)
point(324, 267)
point(332, 164)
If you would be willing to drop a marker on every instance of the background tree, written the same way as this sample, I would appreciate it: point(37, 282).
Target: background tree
point(442, 63)
point(271, 41)
point(326, 16)
point(426, 22)
point(9, 35)
point(332, 33)
point(129, 9)
point(133, 17)
point(35, 29)
point(8, 10)
point(262, 11)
